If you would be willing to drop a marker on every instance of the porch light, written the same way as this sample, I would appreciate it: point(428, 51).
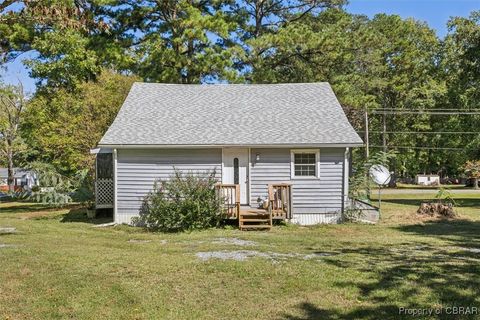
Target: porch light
point(257, 157)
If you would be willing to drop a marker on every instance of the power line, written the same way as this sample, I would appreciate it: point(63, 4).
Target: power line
point(428, 109)
point(420, 148)
point(426, 112)
point(425, 132)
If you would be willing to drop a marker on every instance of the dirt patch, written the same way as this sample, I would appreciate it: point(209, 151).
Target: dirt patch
point(473, 250)
point(139, 241)
point(242, 255)
point(234, 241)
point(8, 230)
point(145, 241)
point(4, 245)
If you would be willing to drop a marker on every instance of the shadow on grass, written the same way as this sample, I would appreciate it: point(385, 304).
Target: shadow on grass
point(15, 208)
point(310, 312)
point(438, 270)
point(80, 215)
point(465, 233)
point(461, 202)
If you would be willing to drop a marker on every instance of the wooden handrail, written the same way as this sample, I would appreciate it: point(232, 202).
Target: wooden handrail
point(280, 200)
point(229, 197)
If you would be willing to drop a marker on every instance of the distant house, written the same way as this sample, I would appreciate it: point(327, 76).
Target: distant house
point(427, 179)
point(24, 179)
point(287, 145)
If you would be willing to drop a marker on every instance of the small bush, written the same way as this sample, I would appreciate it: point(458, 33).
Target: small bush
point(182, 202)
point(353, 214)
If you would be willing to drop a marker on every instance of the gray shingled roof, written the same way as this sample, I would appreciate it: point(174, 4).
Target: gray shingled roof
point(231, 114)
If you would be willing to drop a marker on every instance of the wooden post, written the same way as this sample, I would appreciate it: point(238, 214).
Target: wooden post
point(289, 213)
point(237, 200)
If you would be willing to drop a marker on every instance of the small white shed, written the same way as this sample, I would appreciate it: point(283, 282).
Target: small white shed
point(427, 179)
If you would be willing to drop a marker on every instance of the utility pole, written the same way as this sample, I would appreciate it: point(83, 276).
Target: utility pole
point(384, 131)
point(367, 151)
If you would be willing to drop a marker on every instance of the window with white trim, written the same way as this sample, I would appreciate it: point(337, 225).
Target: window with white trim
point(304, 163)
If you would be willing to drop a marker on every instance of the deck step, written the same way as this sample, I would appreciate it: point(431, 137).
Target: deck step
point(246, 213)
point(256, 226)
point(254, 216)
point(255, 220)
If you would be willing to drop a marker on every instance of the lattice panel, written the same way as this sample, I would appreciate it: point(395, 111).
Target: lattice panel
point(104, 192)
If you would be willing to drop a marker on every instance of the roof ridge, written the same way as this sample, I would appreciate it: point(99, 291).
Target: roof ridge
point(231, 84)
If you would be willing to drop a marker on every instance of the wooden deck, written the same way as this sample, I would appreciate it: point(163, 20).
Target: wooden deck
point(279, 206)
point(250, 218)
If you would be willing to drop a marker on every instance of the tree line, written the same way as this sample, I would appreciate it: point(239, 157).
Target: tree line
point(85, 54)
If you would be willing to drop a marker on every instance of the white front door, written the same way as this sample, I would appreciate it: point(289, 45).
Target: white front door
point(235, 170)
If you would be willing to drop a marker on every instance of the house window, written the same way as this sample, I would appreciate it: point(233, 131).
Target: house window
point(304, 163)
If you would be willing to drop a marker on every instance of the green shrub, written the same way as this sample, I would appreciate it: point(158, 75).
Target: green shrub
point(58, 190)
point(352, 214)
point(54, 189)
point(360, 182)
point(182, 202)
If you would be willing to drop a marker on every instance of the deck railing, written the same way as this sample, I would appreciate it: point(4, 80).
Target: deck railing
point(280, 200)
point(229, 197)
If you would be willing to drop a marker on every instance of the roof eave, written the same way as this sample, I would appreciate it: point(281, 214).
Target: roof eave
point(191, 146)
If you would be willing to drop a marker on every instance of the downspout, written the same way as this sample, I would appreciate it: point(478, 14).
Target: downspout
point(115, 213)
point(345, 179)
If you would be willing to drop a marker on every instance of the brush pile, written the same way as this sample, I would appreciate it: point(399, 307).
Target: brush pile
point(441, 209)
point(442, 206)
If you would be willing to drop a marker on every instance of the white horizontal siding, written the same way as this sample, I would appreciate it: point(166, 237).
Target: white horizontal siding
point(137, 171)
point(312, 198)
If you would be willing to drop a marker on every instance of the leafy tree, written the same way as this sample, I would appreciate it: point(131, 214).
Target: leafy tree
point(405, 78)
point(460, 67)
point(472, 170)
point(260, 16)
point(313, 49)
point(385, 62)
point(181, 41)
point(12, 109)
point(16, 34)
point(65, 35)
point(63, 126)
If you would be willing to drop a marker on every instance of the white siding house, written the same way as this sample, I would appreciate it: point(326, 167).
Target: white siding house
point(249, 135)
point(427, 179)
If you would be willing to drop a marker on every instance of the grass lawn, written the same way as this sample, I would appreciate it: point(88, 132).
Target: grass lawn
point(59, 266)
